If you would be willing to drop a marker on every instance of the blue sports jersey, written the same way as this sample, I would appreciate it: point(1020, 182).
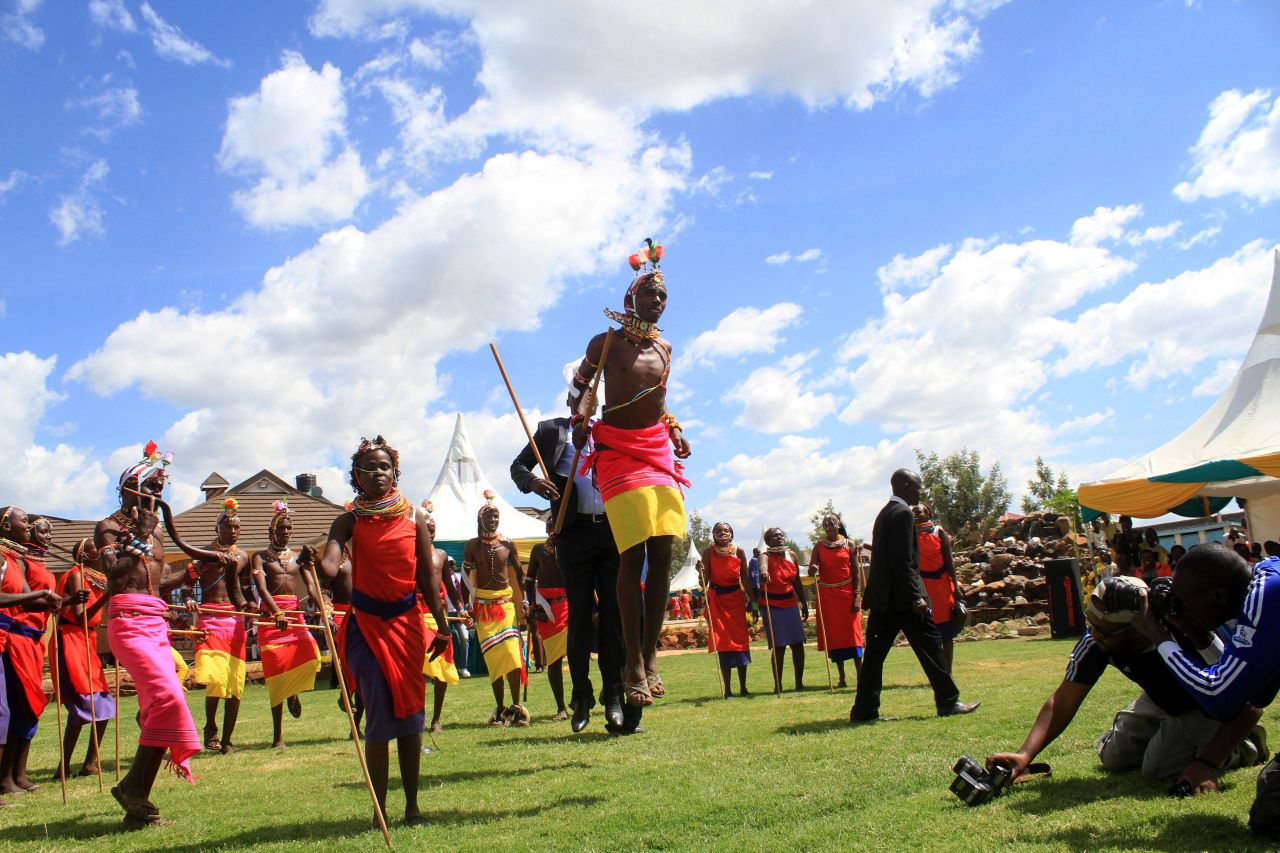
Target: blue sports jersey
point(1248, 673)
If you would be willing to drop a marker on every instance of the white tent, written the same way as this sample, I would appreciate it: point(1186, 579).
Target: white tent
point(458, 496)
point(1233, 450)
point(687, 577)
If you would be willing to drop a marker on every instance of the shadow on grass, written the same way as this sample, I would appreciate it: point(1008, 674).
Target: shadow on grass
point(468, 775)
point(1044, 796)
point(842, 722)
point(266, 745)
point(544, 739)
point(1186, 832)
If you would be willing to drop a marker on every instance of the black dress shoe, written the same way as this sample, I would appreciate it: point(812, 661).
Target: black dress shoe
point(581, 715)
point(959, 708)
point(613, 713)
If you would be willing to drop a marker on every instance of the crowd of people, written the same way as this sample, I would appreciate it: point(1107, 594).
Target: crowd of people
point(387, 603)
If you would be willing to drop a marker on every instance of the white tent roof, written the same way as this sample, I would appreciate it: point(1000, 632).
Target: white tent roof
point(687, 577)
point(458, 496)
point(1241, 426)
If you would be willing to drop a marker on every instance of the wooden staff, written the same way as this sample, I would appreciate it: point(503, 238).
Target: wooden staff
point(57, 700)
point(351, 717)
point(195, 632)
point(822, 625)
point(211, 612)
point(88, 674)
point(586, 408)
point(767, 611)
point(290, 625)
point(520, 412)
point(711, 635)
point(113, 654)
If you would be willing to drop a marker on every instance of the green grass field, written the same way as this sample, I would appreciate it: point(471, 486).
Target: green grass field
point(755, 773)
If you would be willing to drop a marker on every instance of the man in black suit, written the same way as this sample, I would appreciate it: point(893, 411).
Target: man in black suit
point(897, 600)
point(588, 557)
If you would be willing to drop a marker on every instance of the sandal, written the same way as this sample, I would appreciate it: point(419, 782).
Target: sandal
point(518, 716)
point(135, 809)
point(637, 693)
point(497, 719)
point(211, 741)
point(654, 682)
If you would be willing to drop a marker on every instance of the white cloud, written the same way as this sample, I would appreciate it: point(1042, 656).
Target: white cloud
point(1083, 423)
point(292, 132)
point(114, 106)
point(975, 337)
point(805, 257)
point(851, 54)
point(1195, 316)
point(37, 478)
point(1238, 151)
point(112, 15)
point(1152, 234)
point(18, 27)
point(760, 176)
point(343, 339)
point(743, 331)
point(1105, 224)
point(1217, 380)
point(1202, 236)
point(80, 212)
point(10, 183)
point(775, 400)
point(169, 42)
point(910, 273)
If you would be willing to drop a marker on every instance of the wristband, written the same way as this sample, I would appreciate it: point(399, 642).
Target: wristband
point(136, 548)
point(671, 422)
point(1206, 763)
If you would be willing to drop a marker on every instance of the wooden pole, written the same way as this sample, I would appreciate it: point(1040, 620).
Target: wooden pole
point(493, 348)
point(589, 404)
point(57, 700)
point(774, 664)
point(711, 631)
point(117, 718)
point(822, 626)
point(88, 674)
point(351, 717)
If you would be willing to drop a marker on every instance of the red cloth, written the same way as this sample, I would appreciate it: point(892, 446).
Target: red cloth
point(431, 633)
point(838, 626)
point(782, 579)
point(559, 612)
point(727, 613)
point(11, 584)
point(384, 566)
point(79, 650)
point(285, 651)
point(27, 656)
point(937, 580)
point(643, 458)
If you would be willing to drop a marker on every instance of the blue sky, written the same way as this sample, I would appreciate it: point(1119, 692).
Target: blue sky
point(256, 232)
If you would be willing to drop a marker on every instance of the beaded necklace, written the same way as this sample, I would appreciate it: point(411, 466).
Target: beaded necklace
point(119, 517)
point(392, 504)
point(725, 551)
point(8, 546)
point(634, 329)
point(93, 577)
point(839, 543)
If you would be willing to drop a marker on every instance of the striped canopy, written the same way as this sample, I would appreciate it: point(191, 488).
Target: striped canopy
point(1233, 450)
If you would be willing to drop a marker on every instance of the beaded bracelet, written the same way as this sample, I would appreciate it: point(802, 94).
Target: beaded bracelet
point(136, 548)
point(671, 422)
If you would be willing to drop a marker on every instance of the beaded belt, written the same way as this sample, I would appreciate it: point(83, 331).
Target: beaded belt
point(836, 585)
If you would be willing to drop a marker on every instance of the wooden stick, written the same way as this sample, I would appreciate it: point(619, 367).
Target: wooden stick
point(291, 625)
point(113, 654)
point(822, 626)
point(192, 632)
point(57, 700)
point(351, 717)
point(88, 674)
point(493, 348)
point(711, 636)
point(765, 610)
point(588, 403)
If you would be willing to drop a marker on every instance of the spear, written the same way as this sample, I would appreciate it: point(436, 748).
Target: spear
point(57, 699)
point(520, 412)
point(93, 709)
point(822, 628)
point(117, 661)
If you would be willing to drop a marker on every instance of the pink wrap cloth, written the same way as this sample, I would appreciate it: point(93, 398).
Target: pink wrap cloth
point(139, 636)
point(626, 459)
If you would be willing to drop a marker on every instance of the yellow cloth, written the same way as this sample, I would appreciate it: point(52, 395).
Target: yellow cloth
point(557, 645)
point(180, 664)
point(440, 669)
point(645, 512)
point(497, 632)
point(300, 679)
point(221, 673)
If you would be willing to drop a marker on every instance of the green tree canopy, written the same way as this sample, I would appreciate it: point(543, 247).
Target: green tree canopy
point(957, 491)
point(1043, 487)
point(815, 520)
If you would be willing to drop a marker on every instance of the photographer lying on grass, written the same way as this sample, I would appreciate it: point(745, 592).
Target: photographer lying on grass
point(1162, 731)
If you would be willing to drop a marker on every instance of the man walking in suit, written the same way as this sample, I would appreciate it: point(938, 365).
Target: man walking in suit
point(898, 601)
point(588, 558)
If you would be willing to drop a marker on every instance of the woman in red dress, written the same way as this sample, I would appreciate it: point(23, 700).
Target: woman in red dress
point(839, 596)
point(725, 579)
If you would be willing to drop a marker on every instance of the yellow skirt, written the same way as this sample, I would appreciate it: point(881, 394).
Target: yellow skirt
point(640, 514)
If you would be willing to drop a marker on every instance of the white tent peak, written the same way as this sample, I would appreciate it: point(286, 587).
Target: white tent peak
point(459, 491)
point(687, 577)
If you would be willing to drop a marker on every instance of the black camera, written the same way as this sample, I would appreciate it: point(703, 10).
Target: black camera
point(975, 785)
point(1121, 595)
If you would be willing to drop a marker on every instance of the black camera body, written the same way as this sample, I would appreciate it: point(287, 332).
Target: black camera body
point(975, 785)
point(1159, 595)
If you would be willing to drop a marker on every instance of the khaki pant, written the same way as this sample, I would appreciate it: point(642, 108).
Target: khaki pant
point(1143, 735)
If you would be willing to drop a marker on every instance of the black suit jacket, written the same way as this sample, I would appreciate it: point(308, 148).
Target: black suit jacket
point(894, 581)
point(552, 439)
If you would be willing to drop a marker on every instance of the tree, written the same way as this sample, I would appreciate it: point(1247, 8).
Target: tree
point(957, 492)
point(699, 539)
point(1044, 487)
point(815, 521)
